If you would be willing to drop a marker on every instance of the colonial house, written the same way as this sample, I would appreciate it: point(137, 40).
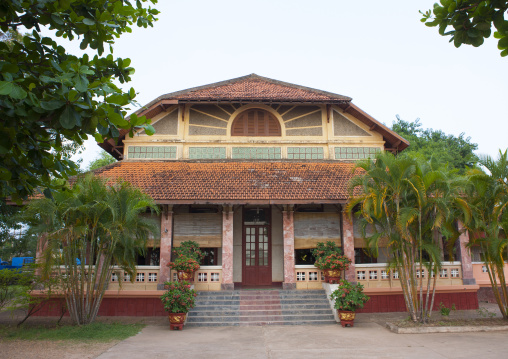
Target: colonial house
point(256, 171)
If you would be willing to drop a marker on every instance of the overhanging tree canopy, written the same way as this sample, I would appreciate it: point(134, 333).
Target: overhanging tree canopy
point(48, 96)
point(470, 21)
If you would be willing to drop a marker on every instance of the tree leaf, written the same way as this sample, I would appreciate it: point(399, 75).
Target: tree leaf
point(68, 118)
point(18, 93)
point(5, 87)
point(81, 83)
point(51, 105)
point(88, 22)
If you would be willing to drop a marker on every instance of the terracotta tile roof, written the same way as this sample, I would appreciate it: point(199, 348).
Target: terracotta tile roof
point(191, 182)
point(255, 88)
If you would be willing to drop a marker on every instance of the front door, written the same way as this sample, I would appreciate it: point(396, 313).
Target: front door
point(257, 259)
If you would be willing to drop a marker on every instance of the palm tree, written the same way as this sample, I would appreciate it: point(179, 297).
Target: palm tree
point(406, 201)
point(488, 195)
point(88, 229)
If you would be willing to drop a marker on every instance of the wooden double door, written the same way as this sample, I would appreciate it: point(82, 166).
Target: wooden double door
point(257, 253)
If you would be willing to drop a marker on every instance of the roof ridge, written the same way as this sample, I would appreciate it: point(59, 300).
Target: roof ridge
point(252, 76)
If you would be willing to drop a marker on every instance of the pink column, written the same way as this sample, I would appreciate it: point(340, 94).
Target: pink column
point(165, 248)
point(348, 245)
point(465, 256)
point(227, 249)
point(289, 249)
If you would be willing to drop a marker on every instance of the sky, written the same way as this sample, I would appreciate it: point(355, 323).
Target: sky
point(378, 53)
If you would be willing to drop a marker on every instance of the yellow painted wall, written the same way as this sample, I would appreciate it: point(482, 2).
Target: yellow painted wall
point(183, 140)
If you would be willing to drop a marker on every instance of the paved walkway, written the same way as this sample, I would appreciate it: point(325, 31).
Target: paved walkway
point(368, 339)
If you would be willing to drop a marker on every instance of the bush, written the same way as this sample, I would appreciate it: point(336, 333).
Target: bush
point(190, 249)
point(179, 298)
point(184, 263)
point(325, 249)
point(349, 296)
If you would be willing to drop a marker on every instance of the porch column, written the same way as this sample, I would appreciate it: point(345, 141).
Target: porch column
point(289, 248)
point(227, 249)
point(165, 247)
point(465, 256)
point(348, 245)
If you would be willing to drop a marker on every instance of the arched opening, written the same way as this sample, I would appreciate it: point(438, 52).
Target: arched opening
point(255, 122)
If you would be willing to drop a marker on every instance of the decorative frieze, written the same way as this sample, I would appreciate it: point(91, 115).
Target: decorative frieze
point(207, 153)
point(355, 153)
point(256, 153)
point(305, 153)
point(152, 152)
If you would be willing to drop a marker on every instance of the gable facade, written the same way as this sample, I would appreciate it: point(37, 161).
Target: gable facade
point(256, 171)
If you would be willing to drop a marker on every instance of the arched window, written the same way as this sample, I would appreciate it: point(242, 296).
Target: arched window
point(255, 122)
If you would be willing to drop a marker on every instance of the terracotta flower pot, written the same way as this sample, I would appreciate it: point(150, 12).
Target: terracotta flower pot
point(176, 320)
point(346, 318)
point(185, 275)
point(332, 276)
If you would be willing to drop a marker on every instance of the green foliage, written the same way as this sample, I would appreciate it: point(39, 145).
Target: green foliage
point(32, 293)
point(184, 263)
point(10, 36)
point(104, 159)
point(190, 249)
point(95, 332)
point(349, 296)
point(487, 194)
point(179, 297)
point(12, 283)
point(406, 200)
point(470, 22)
point(444, 310)
point(49, 97)
point(325, 249)
point(485, 313)
point(97, 223)
point(457, 152)
point(333, 261)
point(14, 240)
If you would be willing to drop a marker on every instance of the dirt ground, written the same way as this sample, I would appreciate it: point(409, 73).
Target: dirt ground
point(64, 349)
point(43, 349)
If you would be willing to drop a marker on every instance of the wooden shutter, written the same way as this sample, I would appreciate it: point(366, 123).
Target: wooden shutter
point(255, 122)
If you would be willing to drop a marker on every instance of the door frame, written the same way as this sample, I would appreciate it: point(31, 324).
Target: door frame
point(269, 232)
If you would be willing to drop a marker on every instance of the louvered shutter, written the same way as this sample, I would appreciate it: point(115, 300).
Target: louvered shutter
point(255, 122)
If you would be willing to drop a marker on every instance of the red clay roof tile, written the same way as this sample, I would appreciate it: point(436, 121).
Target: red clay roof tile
point(236, 181)
point(255, 88)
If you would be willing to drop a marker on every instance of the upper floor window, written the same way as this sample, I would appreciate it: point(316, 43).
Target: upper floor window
point(255, 122)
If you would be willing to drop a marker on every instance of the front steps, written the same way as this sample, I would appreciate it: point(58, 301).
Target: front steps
point(261, 307)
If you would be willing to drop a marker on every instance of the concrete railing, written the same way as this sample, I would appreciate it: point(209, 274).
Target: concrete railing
point(378, 275)
point(206, 278)
point(482, 276)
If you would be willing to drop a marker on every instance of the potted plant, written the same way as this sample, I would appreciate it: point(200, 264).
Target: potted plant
point(190, 249)
point(178, 299)
point(330, 260)
point(185, 267)
point(348, 298)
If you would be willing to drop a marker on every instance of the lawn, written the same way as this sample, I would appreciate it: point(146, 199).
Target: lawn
point(96, 332)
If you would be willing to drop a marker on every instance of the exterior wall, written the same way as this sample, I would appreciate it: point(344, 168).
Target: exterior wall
point(203, 228)
point(308, 132)
point(314, 227)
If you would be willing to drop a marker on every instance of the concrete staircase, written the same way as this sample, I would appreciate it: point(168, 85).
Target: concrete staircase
point(261, 307)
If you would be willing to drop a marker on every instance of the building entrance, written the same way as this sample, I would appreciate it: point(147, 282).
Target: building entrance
point(257, 254)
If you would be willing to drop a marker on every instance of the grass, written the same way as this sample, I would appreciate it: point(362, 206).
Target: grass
point(97, 332)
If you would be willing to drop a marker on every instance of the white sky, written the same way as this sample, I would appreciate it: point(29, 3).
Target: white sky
point(378, 53)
